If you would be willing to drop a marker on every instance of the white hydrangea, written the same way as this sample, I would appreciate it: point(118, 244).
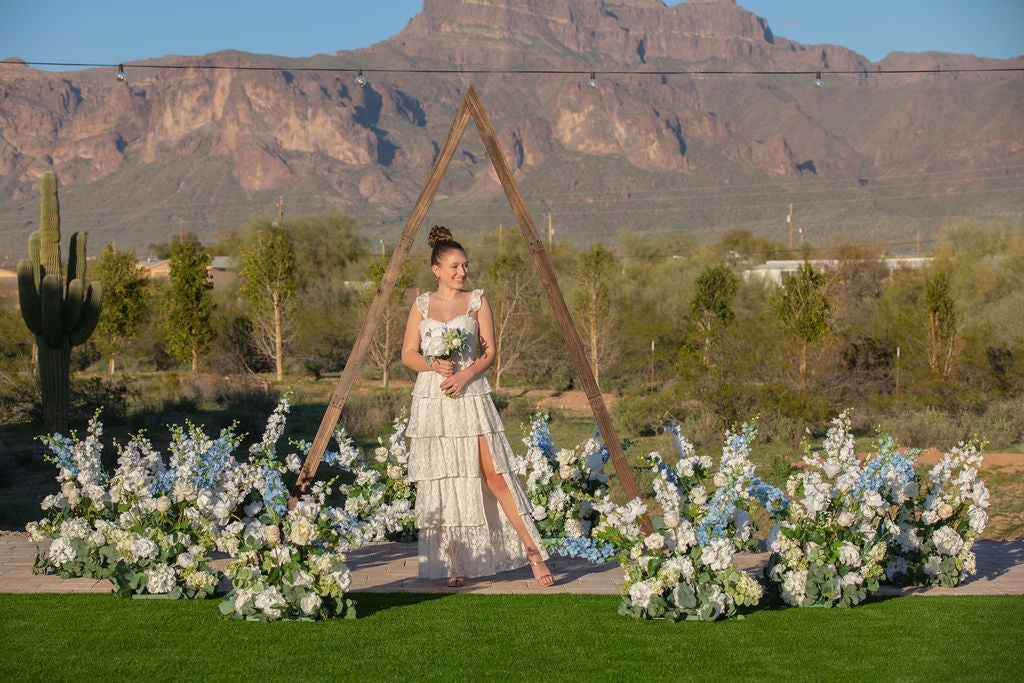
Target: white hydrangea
point(160, 579)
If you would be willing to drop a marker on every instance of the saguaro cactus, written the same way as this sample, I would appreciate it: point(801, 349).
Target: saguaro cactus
point(58, 307)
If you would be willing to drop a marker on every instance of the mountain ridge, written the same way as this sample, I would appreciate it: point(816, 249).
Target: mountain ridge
point(212, 146)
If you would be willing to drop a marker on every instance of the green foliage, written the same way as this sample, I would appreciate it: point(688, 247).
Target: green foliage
point(125, 290)
point(188, 305)
point(59, 308)
point(941, 310)
point(593, 303)
point(388, 337)
point(803, 308)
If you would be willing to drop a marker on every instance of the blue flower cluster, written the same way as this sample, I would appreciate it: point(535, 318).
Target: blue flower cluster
point(212, 461)
point(163, 483)
point(772, 498)
point(61, 447)
point(889, 471)
point(592, 550)
point(275, 495)
point(540, 435)
point(667, 473)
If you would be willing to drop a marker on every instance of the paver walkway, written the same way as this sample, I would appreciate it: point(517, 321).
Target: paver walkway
point(391, 567)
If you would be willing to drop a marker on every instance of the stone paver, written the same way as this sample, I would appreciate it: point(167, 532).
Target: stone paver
point(392, 568)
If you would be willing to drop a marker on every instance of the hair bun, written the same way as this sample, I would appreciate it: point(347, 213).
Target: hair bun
point(439, 235)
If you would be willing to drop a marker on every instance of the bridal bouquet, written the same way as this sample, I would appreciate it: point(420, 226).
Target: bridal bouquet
point(442, 343)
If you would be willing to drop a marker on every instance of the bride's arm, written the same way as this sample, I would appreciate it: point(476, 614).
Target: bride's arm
point(483, 362)
point(411, 356)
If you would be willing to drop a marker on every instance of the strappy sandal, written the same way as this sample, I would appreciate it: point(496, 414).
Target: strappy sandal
point(454, 582)
point(540, 579)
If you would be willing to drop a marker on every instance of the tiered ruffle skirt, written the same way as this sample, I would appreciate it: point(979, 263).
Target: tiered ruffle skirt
point(462, 528)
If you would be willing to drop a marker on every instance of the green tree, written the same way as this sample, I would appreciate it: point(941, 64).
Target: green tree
point(803, 309)
point(188, 304)
point(593, 303)
point(268, 270)
point(162, 250)
point(712, 302)
point(387, 340)
point(941, 323)
point(509, 287)
point(125, 289)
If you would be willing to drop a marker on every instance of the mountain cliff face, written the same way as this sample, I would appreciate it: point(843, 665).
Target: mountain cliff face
point(210, 147)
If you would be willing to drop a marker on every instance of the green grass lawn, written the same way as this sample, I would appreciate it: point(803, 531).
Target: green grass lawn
point(556, 637)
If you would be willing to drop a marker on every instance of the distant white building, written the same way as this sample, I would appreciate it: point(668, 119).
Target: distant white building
point(776, 272)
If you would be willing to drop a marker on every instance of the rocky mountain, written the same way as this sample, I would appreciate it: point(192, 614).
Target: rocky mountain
point(867, 156)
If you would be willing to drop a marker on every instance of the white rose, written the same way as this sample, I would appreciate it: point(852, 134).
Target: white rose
point(699, 495)
point(293, 462)
point(394, 472)
point(302, 531)
point(945, 511)
point(719, 479)
point(655, 541)
point(281, 554)
point(933, 565)
point(310, 603)
point(671, 519)
point(186, 561)
point(845, 519)
point(163, 504)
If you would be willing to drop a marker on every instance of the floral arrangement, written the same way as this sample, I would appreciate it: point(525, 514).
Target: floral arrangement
point(378, 491)
point(686, 568)
point(936, 526)
point(562, 485)
point(292, 566)
point(830, 549)
point(148, 528)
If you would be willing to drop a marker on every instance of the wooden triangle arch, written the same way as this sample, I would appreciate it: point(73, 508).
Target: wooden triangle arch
point(471, 107)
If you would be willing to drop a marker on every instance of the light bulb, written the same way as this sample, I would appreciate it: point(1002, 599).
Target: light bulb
point(817, 80)
point(593, 80)
point(121, 75)
point(360, 78)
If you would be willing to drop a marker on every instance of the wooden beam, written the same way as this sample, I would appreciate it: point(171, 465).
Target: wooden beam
point(380, 300)
point(547, 275)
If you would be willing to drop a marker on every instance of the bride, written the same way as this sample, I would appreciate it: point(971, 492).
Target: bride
point(474, 518)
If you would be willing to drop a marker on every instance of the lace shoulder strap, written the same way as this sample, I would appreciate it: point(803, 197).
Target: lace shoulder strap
point(423, 304)
point(474, 300)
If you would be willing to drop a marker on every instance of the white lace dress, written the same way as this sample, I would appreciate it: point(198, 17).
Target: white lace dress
point(462, 528)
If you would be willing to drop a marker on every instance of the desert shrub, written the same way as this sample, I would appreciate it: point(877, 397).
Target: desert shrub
point(111, 395)
point(924, 428)
point(368, 413)
point(19, 396)
point(1000, 426)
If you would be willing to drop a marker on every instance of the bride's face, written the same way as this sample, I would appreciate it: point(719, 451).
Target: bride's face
point(453, 269)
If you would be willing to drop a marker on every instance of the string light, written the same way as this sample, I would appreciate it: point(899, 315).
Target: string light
point(121, 75)
point(360, 79)
point(593, 80)
point(817, 80)
point(526, 72)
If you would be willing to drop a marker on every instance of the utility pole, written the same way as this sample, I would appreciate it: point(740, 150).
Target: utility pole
point(789, 219)
point(551, 233)
point(897, 369)
point(280, 213)
point(652, 365)
point(382, 254)
point(918, 244)
point(501, 240)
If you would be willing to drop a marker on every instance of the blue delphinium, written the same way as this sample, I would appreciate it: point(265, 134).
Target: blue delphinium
point(586, 548)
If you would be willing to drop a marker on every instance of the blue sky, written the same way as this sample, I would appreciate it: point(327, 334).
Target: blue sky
point(111, 32)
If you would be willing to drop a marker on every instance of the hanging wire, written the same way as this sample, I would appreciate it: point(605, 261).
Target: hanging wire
point(527, 72)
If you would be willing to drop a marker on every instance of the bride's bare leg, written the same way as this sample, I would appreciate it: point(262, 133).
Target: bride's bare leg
point(499, 487)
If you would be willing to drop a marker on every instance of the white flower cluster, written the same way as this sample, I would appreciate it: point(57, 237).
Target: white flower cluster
point(294, 569)
point(936, 526)
point(561, 484)
point(829, 551)
point(685, 569)
point(379, 493)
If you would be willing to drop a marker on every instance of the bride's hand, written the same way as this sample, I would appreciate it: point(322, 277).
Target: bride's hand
point(445, 368)
point(454, 385)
